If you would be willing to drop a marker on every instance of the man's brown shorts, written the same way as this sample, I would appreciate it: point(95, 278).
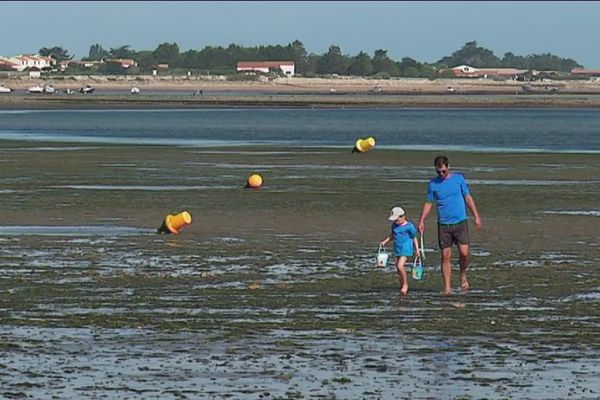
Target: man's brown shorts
point(449, 234)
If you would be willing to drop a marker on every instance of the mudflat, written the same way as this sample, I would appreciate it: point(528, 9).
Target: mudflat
point(274, 292)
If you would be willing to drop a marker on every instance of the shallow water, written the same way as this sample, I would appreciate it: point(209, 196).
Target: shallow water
point(274, 293)
point(491, 130)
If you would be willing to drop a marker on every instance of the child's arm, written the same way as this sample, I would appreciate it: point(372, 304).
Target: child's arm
point(416, 244)
point(385, 241)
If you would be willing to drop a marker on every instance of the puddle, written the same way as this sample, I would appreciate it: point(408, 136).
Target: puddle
point(594, 213)
point(53, 149)
point(146, 187)
point(73, 230)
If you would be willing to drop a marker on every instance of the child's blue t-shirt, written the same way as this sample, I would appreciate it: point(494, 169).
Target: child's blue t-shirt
point(403, 239)
point(449, 194)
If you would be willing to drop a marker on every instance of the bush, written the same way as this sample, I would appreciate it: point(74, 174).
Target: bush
point(448, 73)
point(382, 75)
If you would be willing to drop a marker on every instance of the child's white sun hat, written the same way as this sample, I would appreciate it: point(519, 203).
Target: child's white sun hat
point(396, 213)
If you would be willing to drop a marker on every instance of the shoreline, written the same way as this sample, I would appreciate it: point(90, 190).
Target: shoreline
point(168, 92)
point(283, 100)
point(20, 142)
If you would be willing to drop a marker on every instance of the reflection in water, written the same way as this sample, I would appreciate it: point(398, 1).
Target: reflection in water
point(72, 230)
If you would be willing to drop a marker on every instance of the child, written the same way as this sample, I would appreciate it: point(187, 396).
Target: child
point(404, 235)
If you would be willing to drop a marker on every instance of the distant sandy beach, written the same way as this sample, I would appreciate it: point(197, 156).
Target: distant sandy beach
point(298, 91)
point(299, 84)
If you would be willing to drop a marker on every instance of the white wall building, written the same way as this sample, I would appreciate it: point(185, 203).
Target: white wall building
point(22, 62)
point(287, 67)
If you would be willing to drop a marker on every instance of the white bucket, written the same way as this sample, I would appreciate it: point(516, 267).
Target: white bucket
point(382, 257)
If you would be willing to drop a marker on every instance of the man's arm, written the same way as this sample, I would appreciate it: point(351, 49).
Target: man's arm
point(471, 204)
point(427, 206)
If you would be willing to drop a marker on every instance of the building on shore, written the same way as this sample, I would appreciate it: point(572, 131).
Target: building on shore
point(22, 62)
point(585, 73)
point(287, 67)
point(466, 71)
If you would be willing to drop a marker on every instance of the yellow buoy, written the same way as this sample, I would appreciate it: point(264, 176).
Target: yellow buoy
point(358, 146)
point(364, 145)
point(254, 181)
point(370, 142)
point(174, 223)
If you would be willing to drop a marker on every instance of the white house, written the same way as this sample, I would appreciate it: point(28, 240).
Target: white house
point(123, 62)
point(466, 71)
point(22, 62)
point(287, 67)
point(5, 63)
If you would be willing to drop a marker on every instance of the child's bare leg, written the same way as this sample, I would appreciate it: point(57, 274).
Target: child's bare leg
point(402, 276)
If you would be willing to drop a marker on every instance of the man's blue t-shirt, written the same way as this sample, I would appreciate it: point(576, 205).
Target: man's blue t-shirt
point(449, 194)
point(403, 239)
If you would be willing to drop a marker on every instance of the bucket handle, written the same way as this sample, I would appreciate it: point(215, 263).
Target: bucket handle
point(417, 262)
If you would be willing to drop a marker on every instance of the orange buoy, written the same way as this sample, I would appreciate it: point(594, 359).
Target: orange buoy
point(174, 223)
point(254, 181)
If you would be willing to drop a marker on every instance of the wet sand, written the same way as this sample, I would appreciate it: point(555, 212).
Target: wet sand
point(274, 293)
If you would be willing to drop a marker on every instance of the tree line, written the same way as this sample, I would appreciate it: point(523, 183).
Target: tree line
point(218, 59)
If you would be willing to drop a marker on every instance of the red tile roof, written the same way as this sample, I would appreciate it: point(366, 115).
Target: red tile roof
point(263, 64)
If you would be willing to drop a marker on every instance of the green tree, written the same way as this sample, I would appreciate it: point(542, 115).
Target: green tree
point(361, 65)
point(550, 62)
point(473, 55)
point(510, 60)
point(122, 52)
point(97, 53)
point(145, 59)
point(427, 71)
point(273, 53)
point(58, 53)
point(112, 68)
point(332, 62)
point(191, 59)
point(382, 63)
point(312, 63)
point(410, 67)
point(167, 53)
point(214, 58)
point(411, 72)
point(298, 54)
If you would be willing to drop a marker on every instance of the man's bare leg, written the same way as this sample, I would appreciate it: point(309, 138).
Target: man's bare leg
point(447, 270)
point(463, 261)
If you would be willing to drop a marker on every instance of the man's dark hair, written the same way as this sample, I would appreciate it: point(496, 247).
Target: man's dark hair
point(440, 161)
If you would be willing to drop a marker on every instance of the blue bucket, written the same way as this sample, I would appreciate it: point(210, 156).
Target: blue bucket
point(417, 270)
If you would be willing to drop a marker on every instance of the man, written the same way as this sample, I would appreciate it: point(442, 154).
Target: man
point(450, 192)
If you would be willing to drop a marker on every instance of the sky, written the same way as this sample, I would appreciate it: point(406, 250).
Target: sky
point(423, 30)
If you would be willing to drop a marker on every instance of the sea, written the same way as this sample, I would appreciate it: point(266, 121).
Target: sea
point(495, 130)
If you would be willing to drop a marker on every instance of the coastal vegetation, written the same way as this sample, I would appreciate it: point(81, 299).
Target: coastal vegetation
point(223, 60)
